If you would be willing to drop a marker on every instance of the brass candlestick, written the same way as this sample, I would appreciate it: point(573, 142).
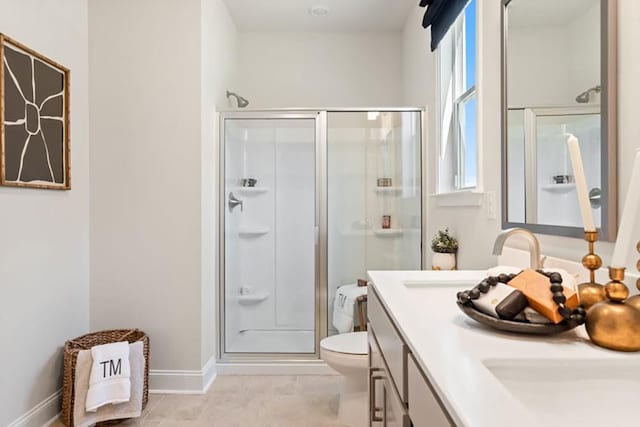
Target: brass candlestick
point(613, 323)
point(591, 293)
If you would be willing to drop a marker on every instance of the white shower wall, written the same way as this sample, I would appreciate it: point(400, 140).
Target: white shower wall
point(278, 261)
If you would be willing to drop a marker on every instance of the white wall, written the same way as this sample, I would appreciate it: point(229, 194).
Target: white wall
point(153, 94)
point(585, 51)
point(550, 64)
point(44, 258)
point(218, 55)
point(418, 64)
point(471, 224)
point(320, 69)
point(539, 60)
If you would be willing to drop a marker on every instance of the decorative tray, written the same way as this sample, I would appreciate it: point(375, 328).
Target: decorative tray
point(517, 327)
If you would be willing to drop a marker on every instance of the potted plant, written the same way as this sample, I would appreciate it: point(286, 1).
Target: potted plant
point(444, 247)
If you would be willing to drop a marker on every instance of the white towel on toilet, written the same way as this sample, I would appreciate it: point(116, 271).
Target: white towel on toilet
point(110, 379)
point(344, 306)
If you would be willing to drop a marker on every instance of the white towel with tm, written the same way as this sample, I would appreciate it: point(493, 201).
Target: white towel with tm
point(131, 409)
point(344, 306)
point(110, 379)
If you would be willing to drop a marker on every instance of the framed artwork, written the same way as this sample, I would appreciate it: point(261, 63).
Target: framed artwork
point(34, 119)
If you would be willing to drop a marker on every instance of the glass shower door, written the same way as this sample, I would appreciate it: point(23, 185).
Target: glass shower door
point(270, 218)
point(374, 202)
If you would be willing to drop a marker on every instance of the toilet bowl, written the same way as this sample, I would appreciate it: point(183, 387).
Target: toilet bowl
point(347, 354)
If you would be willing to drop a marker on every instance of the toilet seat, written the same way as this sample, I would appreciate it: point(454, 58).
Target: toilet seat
point(354, 343)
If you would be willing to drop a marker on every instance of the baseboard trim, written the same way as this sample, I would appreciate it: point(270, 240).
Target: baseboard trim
point(182, 381)
point(209, 374)
point(290, 368)
point(43, 414)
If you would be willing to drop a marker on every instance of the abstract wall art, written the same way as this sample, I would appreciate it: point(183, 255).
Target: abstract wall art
point(34, 119)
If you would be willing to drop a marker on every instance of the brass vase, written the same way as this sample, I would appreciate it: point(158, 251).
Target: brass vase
point(614, 323)
point(634, 301)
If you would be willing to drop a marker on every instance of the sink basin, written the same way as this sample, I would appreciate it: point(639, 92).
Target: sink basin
point(467, 278)
point(573, 392)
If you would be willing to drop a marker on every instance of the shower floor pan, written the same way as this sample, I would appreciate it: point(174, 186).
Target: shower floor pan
point(272, 341)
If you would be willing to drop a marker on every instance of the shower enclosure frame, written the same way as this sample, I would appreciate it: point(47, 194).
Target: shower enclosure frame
point(320, 116)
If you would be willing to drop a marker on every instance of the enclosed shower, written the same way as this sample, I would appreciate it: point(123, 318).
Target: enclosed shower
point(310, 200)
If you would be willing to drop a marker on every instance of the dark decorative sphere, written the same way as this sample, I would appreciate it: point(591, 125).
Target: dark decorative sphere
point(555, 288)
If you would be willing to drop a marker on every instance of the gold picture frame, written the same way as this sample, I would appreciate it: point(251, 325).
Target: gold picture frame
point(34, 119)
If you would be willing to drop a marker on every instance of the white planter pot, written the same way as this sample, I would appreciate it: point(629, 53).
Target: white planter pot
point(443, 261)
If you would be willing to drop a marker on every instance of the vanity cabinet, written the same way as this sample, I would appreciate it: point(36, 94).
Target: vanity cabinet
point(400, 395)
point(385, 406)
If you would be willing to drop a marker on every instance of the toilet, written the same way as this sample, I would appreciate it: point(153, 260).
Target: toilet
point(347, 354)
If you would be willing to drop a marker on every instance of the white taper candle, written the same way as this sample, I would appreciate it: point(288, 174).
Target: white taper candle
point(624, 243)
point(581, 183)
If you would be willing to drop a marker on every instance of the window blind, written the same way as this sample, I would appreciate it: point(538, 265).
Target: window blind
point(440, 15)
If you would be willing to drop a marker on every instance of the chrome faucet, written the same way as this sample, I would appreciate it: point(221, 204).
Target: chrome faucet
point(534, 245)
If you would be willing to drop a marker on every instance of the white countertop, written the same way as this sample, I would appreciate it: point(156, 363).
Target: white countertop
point(454, 352)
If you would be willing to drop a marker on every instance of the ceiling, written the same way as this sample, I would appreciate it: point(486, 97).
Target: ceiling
point(344, 15)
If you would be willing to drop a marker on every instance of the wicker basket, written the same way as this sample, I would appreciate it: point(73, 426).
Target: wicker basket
point(85, 342)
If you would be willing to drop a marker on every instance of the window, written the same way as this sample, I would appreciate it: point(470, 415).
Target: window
point(458, 104)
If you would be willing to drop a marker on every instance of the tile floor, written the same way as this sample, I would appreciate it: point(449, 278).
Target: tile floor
point(248, 401)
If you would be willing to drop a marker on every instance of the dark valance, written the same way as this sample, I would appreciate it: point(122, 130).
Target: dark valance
point(440, 15)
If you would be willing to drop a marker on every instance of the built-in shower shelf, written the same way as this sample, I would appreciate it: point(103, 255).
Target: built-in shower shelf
point(250, 299)
point(388, 232)
point(249, 191)
point(355, 233)
point(388, 190)
point(253, 231)
point(559, 188)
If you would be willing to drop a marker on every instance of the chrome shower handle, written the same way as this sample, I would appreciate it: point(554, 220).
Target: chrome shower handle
point(234, 201)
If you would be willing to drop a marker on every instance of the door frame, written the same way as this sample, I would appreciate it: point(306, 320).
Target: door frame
point(320, 316)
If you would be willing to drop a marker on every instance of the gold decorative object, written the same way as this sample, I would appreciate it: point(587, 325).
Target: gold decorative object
point(614, 324)
point(634, 301)
point(591, 293)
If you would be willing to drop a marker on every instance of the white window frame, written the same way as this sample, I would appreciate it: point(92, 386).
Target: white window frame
point(453, 50)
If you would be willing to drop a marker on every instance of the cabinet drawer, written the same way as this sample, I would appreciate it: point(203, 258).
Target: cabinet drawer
point(424, 407)
point(392, 347)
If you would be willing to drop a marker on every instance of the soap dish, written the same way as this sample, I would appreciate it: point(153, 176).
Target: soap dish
point(517, 327)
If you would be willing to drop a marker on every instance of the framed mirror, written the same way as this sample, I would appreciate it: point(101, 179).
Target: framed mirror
point(558, 78)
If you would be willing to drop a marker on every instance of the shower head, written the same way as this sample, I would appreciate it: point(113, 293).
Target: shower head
point(585, 96)
point(242, 102)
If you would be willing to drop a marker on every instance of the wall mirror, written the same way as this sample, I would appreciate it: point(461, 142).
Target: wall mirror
point(558, 62)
